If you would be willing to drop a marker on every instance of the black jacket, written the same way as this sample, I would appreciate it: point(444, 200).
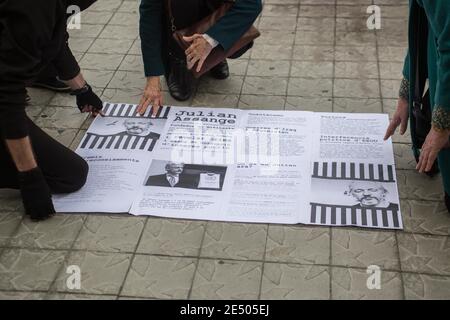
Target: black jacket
point(32, 35)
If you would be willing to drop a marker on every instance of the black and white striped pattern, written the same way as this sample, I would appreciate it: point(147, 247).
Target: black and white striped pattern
point(129, 111)
point(332, 215)
point(353, 171)
point(120, 141)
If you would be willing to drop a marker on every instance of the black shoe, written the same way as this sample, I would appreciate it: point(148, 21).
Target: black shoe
point(52, 84)
point(221, 71)
point(447, 201)
point(179, 80)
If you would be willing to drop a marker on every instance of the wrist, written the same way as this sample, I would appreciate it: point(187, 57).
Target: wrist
point(83, 89)
point(154, 82)
point(441, 119)
point(153, 79)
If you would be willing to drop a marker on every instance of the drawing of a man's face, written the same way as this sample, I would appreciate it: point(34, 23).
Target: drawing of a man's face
point(174, 168)
point(368, 194)
point(137, 126)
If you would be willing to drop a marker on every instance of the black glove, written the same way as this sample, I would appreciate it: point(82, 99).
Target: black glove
point(36, 195)
point(87, 98)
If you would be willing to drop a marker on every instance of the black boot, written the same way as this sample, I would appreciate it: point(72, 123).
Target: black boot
point(51, 84)
point(179, 80)
point(221, 71)
point(447, 201)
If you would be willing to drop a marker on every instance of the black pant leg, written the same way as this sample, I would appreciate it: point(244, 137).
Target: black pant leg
point(8, 171)
point(63, 169)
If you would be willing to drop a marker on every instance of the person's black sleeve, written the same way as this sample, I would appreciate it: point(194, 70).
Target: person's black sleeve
point(65, 63)
point(25, 27)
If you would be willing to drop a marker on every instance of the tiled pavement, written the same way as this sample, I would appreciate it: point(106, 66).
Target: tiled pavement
point(313, 55)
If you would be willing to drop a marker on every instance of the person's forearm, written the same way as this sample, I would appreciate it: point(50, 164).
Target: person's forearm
point(22, 154)
point(76, 83)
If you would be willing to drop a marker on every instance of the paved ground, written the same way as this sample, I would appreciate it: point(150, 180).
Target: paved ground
point(313, 55)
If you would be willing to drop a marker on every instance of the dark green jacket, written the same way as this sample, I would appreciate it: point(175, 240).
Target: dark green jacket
point(227, 31)
point(438, 43)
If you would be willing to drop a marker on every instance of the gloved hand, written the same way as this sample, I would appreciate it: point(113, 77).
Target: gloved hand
point(36, 195)
point(87, 100)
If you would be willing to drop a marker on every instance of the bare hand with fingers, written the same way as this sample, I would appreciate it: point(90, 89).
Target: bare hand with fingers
point(434, 143)
point(152, 96)
point(198, 51)
point(400, 118)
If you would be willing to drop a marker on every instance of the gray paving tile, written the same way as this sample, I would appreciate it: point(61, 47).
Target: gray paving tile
point(324, 104)
point(61, 118)
point(357, 105)
point(424, 254)
point(295, 282)
point(56, 233)
point(172, 237)
point(265, 86)
point(29, 270)
point(234, 241)
point(310, 88)
point(271, 51)
point(426, 217)
point(356, 70)
point(101, 61)
point(426, 287)
point(9, 222)
point(10, 201)
point(355, 248)
point(160, 277)
point(226, 280)
point(110, 233)
point(356, 53)
point(21, 295)
point(356, 88)
point(312, 69)
point(415, 186)
point(404, 158)
point(113, 46)
point(74, 296)
point(101, 273)
point(298, 245)
point(231, 85)
point(313, 53)
point(215, 100)
point(261, 102)
point(352, 284)
point(268, 68)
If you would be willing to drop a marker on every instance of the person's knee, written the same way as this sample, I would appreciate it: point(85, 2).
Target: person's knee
point(80, 175)
point(74, 179)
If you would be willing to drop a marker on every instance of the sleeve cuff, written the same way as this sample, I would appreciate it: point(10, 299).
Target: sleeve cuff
point(404, 89)
point(441, 118)
point(213, 42)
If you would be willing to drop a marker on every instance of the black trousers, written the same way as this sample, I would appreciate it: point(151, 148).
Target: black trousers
point(64, 170)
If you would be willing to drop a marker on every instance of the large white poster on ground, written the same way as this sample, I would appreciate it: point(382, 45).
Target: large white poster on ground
point(286, 167)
